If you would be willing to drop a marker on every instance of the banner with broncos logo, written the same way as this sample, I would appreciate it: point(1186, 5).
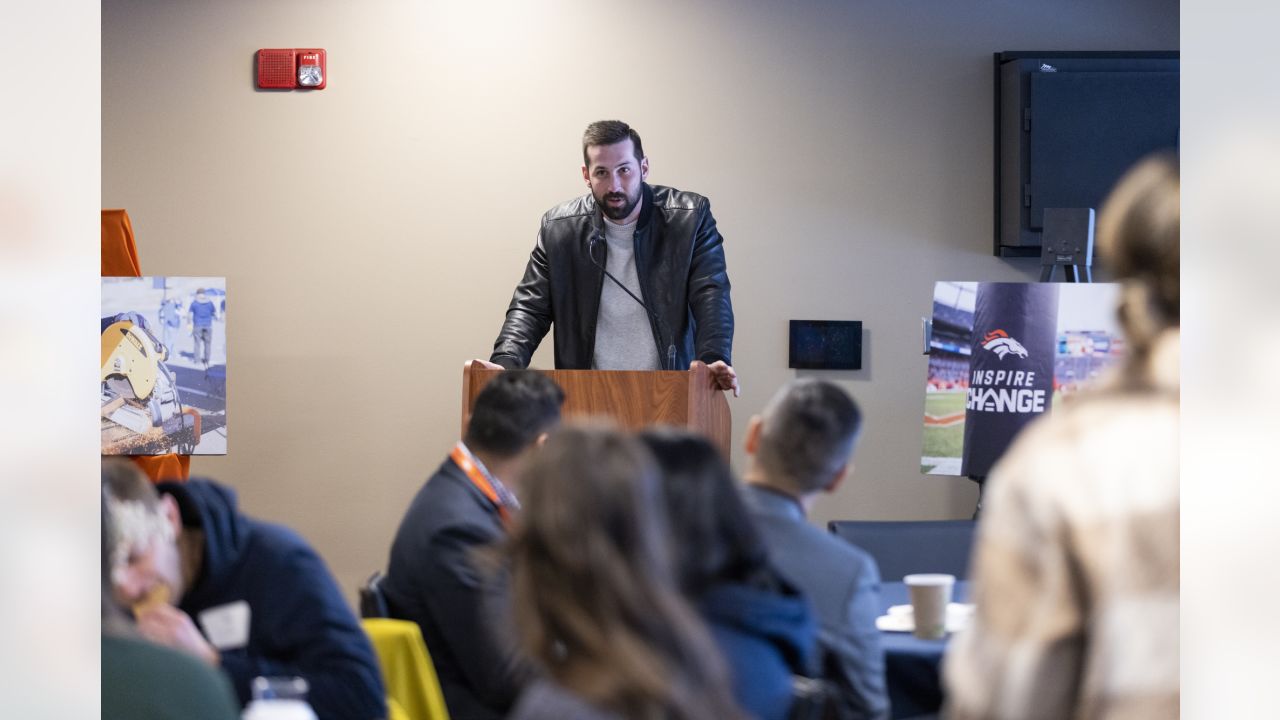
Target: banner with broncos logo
point(1002, 354)
point(1010, 367)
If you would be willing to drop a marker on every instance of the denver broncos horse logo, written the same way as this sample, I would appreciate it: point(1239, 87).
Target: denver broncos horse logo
point(999, 342)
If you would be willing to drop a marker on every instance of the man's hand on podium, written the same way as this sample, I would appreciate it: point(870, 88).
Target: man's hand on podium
point(724, 376)
point(488, 365)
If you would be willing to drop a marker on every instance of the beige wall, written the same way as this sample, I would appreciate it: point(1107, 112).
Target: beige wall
point(371, 233)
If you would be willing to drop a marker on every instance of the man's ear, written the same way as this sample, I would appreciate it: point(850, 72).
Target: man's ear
point(169, 508)
point(644, 168)
point(752, 441)
point(845, 471)
point(585, 177)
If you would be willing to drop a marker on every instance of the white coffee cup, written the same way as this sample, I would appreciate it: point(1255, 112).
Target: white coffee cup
point(930, 594)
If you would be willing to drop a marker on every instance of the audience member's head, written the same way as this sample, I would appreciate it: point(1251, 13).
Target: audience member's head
point(596, 604)
point(512, 412)
point(145, 561)
point(803, 441)
point(1138, 238)
point(114, 619)
point(712, 533)
point(1081, 553)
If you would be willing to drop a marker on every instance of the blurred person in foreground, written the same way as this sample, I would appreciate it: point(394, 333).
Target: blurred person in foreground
point(764, 627)
point(432, 575)
point(800, 448)
point(1076, 562)
point(250, 597)
point(597, 607)
point(140, 679)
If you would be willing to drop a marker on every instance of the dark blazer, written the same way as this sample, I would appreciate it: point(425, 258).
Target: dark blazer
point(680, 265)
point(434, 580)
point(843, 584)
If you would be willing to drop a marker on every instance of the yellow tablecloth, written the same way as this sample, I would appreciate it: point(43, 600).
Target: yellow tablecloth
point(413, 691)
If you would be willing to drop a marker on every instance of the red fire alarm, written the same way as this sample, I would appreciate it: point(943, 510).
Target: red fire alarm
point(292, 68)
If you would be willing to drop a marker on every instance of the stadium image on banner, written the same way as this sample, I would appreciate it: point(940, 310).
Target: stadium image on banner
point(164, 366)
point(1001, 354)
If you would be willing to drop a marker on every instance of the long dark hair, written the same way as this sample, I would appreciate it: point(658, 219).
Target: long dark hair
point(712, 533)
point(595, 603)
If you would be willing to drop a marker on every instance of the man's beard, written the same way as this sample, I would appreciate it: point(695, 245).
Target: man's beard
point(618, 212)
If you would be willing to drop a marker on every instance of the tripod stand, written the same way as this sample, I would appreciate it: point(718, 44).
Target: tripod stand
point(1067, 242)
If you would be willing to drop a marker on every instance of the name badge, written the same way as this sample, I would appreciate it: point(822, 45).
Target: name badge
point(226, 626)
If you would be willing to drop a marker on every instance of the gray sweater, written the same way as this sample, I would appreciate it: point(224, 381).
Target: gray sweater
point(624, 337)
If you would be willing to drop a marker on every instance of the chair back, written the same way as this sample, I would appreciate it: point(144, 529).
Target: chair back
point(812, 699)
point(407, 672)
point(373, 604)
point(901, 548)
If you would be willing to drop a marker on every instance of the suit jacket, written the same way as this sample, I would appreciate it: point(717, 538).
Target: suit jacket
point(843, 583)
point(463, 609)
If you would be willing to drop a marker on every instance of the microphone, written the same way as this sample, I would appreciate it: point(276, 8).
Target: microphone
point(596, 238)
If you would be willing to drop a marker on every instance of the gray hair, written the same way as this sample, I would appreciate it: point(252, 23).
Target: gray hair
point(808, 434)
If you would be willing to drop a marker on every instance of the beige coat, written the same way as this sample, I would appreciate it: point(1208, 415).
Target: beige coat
point(1076, 564)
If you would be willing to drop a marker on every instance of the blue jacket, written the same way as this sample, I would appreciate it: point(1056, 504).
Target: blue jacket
point(843, 583)
point(766, 637)
point(464, 612)
point(299, 623)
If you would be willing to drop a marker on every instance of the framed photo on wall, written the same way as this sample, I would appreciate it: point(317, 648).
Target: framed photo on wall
point(164, 366)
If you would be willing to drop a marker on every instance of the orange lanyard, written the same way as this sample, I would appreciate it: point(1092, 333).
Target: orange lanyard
point(480, 478)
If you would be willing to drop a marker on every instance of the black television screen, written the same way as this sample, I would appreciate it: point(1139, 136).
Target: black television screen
point(826, 345)
point(1067, 126)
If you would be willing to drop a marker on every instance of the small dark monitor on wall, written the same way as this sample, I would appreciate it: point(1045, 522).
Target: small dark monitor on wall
point(826, 345)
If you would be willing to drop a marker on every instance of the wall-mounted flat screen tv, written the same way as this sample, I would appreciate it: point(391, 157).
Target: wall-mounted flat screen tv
point(1067, 126)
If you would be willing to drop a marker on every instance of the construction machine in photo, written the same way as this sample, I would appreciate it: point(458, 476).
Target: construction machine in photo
point(142, 413)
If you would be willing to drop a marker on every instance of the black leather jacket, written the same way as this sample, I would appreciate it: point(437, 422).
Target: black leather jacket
point(680, 264)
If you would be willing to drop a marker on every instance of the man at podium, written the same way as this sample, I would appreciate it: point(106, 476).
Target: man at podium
point(632, 275)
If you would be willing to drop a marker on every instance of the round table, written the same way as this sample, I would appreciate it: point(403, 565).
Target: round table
point(913, 667)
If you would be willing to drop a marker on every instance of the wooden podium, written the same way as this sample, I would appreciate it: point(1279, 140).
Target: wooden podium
point(633, 399)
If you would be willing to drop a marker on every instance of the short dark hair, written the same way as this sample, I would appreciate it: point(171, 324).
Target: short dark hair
point(610, 132)
point(809, 430)
point(713, 535)
point(512, 411)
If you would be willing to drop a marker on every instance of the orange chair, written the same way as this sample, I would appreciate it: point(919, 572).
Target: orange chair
point(120, 259)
